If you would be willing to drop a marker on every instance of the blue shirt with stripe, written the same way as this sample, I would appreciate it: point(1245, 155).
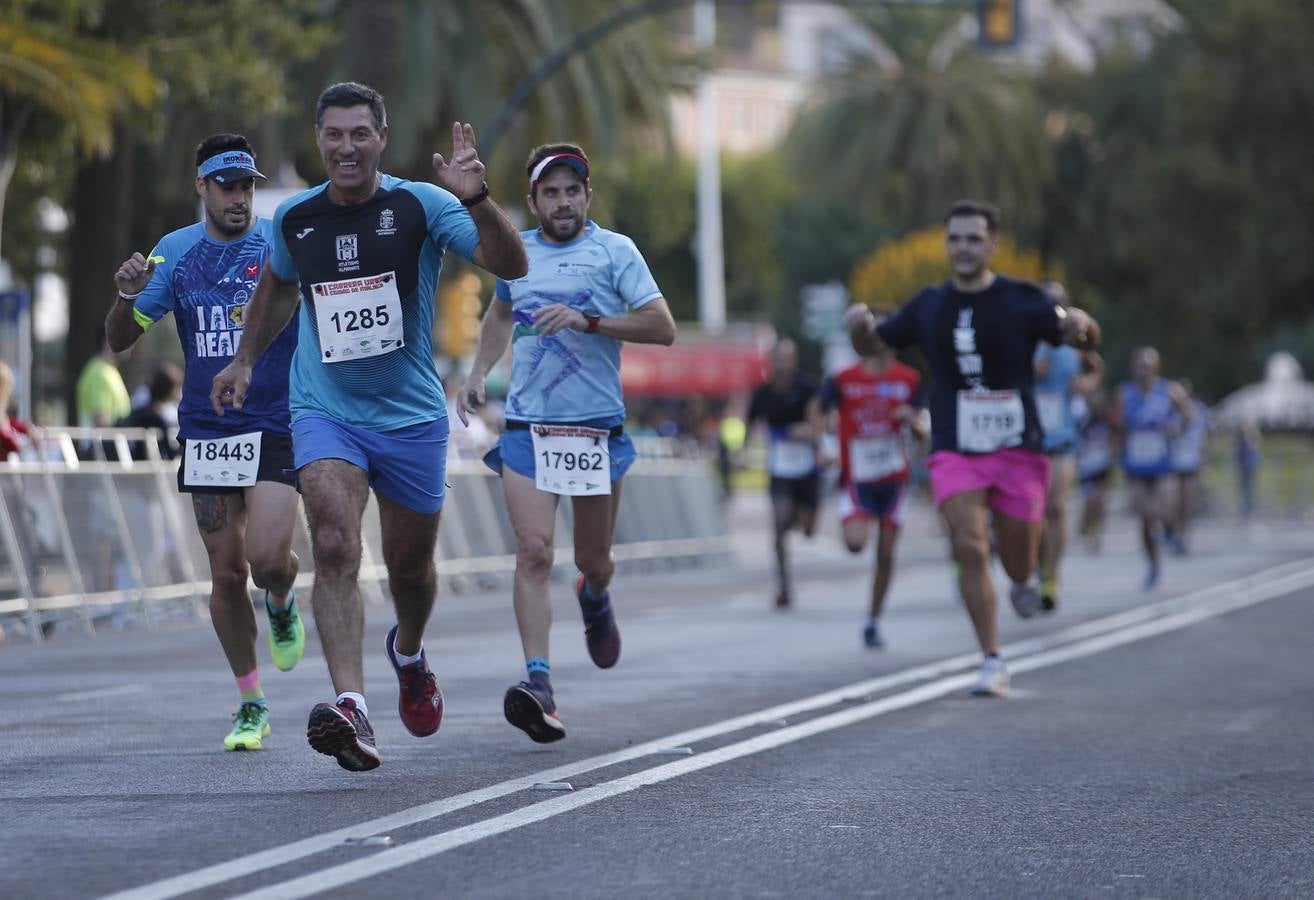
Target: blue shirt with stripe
point(406, 228)
point(206, 284)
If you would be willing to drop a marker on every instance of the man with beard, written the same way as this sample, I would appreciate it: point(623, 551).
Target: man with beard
point(978, 332)
point(588, 290)
point(236, 467)
point(368, 410)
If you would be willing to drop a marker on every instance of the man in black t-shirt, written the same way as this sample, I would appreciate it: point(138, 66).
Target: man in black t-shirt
point(791, 453)
point(978, 332)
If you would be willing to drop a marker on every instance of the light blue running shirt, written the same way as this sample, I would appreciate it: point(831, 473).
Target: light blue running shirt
point(1054, 397)
point(572, 376)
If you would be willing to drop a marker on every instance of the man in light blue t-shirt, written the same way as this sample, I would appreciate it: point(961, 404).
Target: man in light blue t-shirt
point(1064, 377)
point(360, 255)
point(587, 291)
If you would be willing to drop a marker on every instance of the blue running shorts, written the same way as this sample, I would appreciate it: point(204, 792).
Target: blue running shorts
point(516, 449)
point(407, 465)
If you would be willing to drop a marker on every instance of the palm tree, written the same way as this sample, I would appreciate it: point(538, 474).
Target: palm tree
point(83, 84)
point(441, 61)
point(907, 132)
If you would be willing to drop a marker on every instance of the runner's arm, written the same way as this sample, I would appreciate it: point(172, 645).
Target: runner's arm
point(121, 327)
point(494, 334)
point(500, 250)
point(267, 314)
point(649, 324)
point(1080, 330)
point(1182, 401)
point(1092, 373)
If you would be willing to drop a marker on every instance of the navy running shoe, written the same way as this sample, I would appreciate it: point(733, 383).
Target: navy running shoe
point(600, 632)
point(341, 730)
point(529, 706)
point(871, 636)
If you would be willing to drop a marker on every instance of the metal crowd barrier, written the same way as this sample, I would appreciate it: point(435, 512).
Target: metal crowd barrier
point(89, 534)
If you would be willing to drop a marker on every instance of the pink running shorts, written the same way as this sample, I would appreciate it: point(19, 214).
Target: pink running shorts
point(1015, 480)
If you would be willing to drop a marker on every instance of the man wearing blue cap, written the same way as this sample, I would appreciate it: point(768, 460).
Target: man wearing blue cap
point(587, 291)
point(237, 468)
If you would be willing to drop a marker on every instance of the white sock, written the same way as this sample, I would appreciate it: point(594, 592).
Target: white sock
point(358, 699)
point(406, 660)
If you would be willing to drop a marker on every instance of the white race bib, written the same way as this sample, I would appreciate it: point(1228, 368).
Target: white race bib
point(791, 459)
point(222, 462)
point(875, 458)
point(1093, 456)
point(571, 460)
point(1147, 448)
point(358, 317)
point(1052, 407)
point(989, 420)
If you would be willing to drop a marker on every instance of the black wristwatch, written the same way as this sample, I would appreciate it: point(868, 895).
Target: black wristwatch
point(477, 198)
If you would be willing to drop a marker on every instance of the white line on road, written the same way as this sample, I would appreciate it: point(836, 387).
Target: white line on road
point(424, 848)
point(119, 690)
point(1120, 628)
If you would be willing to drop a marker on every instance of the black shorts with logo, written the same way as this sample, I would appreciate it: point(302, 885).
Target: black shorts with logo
point(276, 464)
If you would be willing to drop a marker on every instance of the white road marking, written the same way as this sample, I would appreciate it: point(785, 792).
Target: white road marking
point(116, 691)
point(1123, 627)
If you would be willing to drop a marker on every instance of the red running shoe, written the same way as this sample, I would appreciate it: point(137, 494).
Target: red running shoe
point(419, 701)
point(601, 635)
point(341, 730)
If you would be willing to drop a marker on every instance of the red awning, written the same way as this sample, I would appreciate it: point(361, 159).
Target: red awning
point(691, 369)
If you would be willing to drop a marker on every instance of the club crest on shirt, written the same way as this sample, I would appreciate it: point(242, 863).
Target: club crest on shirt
point(348, 253)
point(387, 223)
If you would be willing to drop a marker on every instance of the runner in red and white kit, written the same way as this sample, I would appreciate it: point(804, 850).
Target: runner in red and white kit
point(878, 402)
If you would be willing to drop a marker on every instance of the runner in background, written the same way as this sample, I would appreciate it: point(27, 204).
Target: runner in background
point(1150, 412)
point(791, 455)
point(1064, 376)
point(877, 402)
point(1095, 466)
point(1188, 450)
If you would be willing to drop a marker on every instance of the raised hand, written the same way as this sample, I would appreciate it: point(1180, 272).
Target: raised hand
point(135, 273)
point(558, 317)
point(464, 174)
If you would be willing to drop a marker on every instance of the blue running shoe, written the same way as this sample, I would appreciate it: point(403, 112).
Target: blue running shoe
point(529, 706)
point(871, 636)
point(600, 632)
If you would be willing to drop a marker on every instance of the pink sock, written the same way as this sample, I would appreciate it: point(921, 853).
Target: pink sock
point(249, 685)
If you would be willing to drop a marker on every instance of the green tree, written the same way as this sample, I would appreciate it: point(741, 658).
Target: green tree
point(69, 88)
point(903, 135)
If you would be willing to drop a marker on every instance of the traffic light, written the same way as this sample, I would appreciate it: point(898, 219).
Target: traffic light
point(999, 22)
point(461, 307)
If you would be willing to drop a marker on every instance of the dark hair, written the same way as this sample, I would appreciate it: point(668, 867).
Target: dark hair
point(218, 143)
point(348, 94)
point(165, 381)
point(975, 208)
point(543, 151)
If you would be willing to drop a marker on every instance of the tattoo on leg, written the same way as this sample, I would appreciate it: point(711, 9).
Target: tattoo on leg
point(211, 512)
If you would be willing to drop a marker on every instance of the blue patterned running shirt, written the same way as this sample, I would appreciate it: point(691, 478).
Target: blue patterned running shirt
point(571, 376)
point(206, 283)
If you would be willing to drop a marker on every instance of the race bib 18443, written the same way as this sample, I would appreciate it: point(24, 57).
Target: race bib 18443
point(572, 460)
point(222, 462)
point(358, 317)
point(989, 420)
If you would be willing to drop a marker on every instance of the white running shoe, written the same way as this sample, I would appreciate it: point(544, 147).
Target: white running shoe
point(993, 680)
point(1026, 599)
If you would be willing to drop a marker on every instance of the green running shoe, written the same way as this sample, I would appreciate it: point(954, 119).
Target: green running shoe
point(287, 634)
point(250, 725)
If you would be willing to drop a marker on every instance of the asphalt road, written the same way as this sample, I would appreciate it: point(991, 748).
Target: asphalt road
point(1156, 745)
